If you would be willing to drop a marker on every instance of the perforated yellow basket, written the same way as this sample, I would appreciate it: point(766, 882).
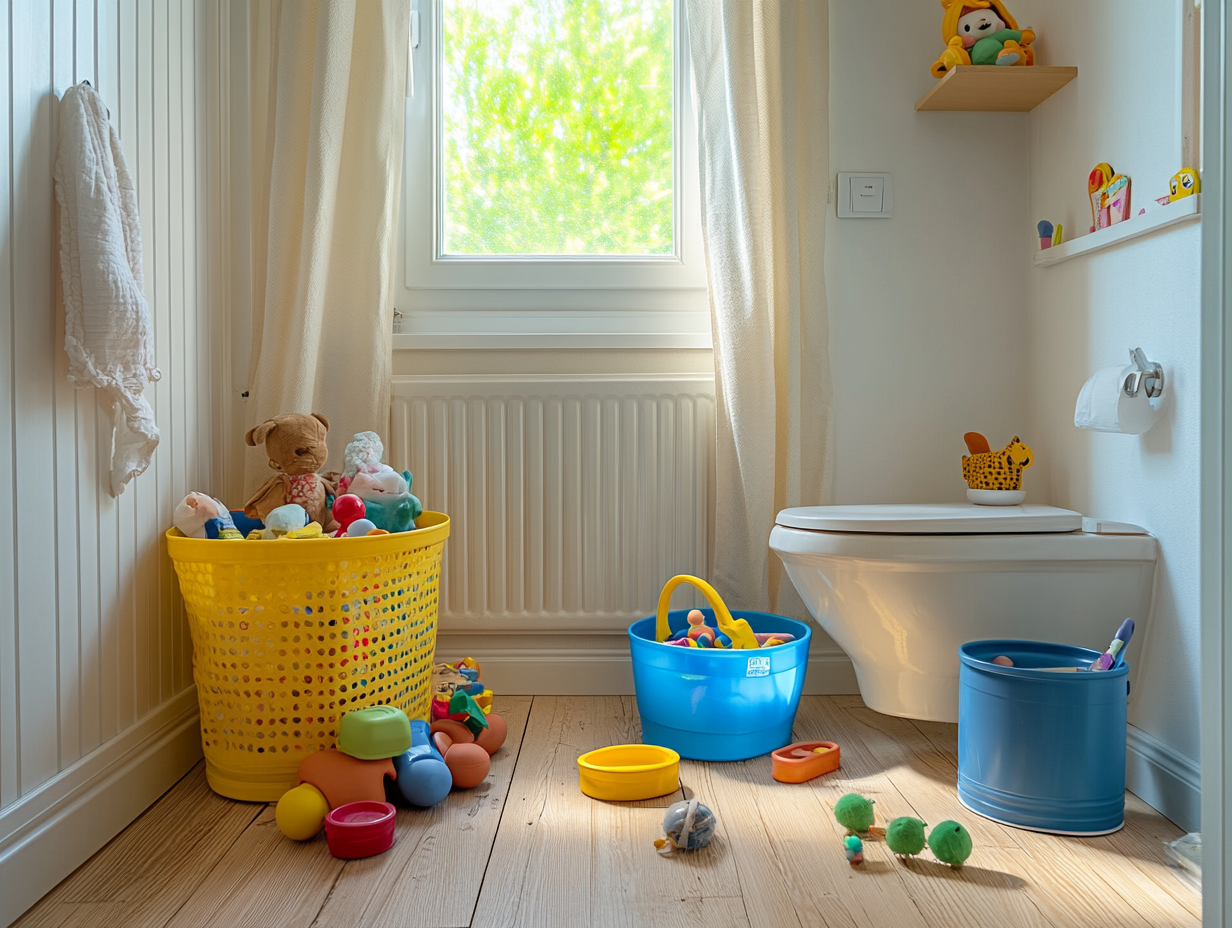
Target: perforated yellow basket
point(289, 635)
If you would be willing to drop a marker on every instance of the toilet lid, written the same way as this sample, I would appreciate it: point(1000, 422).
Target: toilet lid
point(932, 519)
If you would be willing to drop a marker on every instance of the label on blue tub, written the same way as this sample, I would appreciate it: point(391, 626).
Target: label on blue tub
point(758, 667)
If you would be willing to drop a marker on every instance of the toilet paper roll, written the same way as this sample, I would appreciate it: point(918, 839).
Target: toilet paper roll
point(1103, 405)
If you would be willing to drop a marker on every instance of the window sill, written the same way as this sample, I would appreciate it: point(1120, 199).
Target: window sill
point(478, 330)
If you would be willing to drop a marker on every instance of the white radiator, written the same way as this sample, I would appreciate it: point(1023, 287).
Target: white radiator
point(571, 499)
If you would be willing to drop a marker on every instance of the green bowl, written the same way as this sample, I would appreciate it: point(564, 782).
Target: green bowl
point(374, 733)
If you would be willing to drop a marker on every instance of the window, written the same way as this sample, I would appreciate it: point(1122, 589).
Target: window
point(550, 175)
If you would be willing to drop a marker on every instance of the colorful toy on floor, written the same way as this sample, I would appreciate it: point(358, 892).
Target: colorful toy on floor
point(424, 779)
point(448, 679)
point(688, 826)
point(855, 813)
point(342, 778)
point(981, 32)
point(804, 761)
point(300, 813)
point(360, 829)
point(854, 849)
point(296, 448)
point(467, 761)
point(950, 843)
point(201, 516)
point(905, 836)
point(629, 772)
point(374, 733)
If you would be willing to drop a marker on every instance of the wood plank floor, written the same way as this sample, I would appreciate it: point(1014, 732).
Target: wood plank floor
point(526, 848)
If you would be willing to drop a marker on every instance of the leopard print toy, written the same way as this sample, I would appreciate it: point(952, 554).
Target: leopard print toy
point(984, 469)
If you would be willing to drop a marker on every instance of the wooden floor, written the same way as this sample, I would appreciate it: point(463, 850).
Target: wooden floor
point(526, 848)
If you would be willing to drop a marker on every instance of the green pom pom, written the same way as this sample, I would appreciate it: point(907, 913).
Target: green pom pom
point(950, 843)
point(854, 812)
point(905, 836)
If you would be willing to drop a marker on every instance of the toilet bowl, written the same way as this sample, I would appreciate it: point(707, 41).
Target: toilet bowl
point(899, 588)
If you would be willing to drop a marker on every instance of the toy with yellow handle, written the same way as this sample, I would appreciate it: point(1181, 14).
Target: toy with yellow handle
point(738, 630)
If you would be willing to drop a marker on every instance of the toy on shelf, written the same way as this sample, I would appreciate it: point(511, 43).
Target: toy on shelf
point(855, 813)
point(981, 32)
point(1058, 234)
point(629, 772)
point(1118, 200)
point(424, 779)
point(905, 836)
point(994, 478)
point(296, 448)
point(1097, 190)
point(201, 516)
point(950, 843)
point(1044, 227)
point(688, 826)
point(853, 847)
point(804, 761)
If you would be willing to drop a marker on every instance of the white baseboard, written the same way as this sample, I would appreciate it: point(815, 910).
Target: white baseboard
point(48, 833)
point(594, 665)
point(1164, 779)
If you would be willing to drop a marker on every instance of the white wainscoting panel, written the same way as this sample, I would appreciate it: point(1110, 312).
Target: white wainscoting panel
point(95, 659)
point(571, 499)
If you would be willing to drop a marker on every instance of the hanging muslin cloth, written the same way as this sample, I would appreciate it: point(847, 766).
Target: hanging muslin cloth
point(107, 333)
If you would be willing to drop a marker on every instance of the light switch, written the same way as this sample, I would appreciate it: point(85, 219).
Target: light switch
point(865, 196)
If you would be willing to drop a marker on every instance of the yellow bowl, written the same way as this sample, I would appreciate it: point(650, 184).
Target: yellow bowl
point(628, 772)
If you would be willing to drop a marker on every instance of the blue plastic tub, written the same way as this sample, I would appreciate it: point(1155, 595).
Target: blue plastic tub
point(1037, 749)
point(709, 704)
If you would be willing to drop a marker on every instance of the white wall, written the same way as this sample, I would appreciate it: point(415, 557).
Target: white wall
point(95, 659)
point(1086, 313)
point(928, 308)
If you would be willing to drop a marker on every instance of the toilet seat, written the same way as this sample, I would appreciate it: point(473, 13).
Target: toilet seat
point(932, 519)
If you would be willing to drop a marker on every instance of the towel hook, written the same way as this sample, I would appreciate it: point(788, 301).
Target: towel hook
point(1149, 375)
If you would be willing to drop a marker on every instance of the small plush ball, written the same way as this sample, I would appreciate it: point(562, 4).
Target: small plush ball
point(492, 737)
point(301, 812)
point(950, 843)
point(469, 764)
point(905, 835)
point(1002, 661)
point(854, 812)
point(359, 528)
point(701, 832)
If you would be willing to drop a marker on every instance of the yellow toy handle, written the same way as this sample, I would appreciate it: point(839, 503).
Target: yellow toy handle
point(738, 630)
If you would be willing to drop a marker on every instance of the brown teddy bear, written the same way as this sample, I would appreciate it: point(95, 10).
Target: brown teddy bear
point(296, 448)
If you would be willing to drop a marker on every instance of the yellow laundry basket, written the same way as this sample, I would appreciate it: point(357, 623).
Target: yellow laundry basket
point(289, 635)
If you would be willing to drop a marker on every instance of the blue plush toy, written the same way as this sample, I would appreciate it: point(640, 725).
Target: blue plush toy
point(388, 502)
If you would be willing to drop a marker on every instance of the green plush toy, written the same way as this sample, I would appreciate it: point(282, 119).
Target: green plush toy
point(854, 812)
point(905, 836)
point(950, 843)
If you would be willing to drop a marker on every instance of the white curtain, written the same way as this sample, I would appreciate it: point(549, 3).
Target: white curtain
point(329, 78)
point(760, 72)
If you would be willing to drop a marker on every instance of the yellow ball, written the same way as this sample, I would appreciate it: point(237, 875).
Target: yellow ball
point(301, 812)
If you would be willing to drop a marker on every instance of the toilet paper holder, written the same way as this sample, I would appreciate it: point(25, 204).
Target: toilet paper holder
point(1149, 376)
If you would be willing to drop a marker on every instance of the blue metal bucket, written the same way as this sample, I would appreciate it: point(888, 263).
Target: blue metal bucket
point(711, 704)
point(1039, 749)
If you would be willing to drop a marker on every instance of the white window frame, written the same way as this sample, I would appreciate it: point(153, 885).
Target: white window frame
point(450, 301)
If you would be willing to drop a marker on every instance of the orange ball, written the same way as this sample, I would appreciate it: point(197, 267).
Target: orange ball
point(469, 764)
point(457, 732)
point(492, 737)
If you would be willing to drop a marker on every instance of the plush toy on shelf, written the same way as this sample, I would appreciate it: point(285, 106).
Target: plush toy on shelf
point(981, 32)
point(296, 448)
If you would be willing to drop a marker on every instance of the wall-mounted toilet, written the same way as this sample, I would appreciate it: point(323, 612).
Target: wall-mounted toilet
point(899, 588)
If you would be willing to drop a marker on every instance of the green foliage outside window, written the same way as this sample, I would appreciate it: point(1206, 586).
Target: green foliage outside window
point(557, 127)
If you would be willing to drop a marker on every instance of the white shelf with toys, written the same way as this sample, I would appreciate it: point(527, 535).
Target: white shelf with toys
point(1186, 209)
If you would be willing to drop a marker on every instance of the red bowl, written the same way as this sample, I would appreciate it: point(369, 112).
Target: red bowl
point(360, 829)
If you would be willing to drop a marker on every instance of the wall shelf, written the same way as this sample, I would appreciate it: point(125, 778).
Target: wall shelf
point(1185, 210)
point(990, 89)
